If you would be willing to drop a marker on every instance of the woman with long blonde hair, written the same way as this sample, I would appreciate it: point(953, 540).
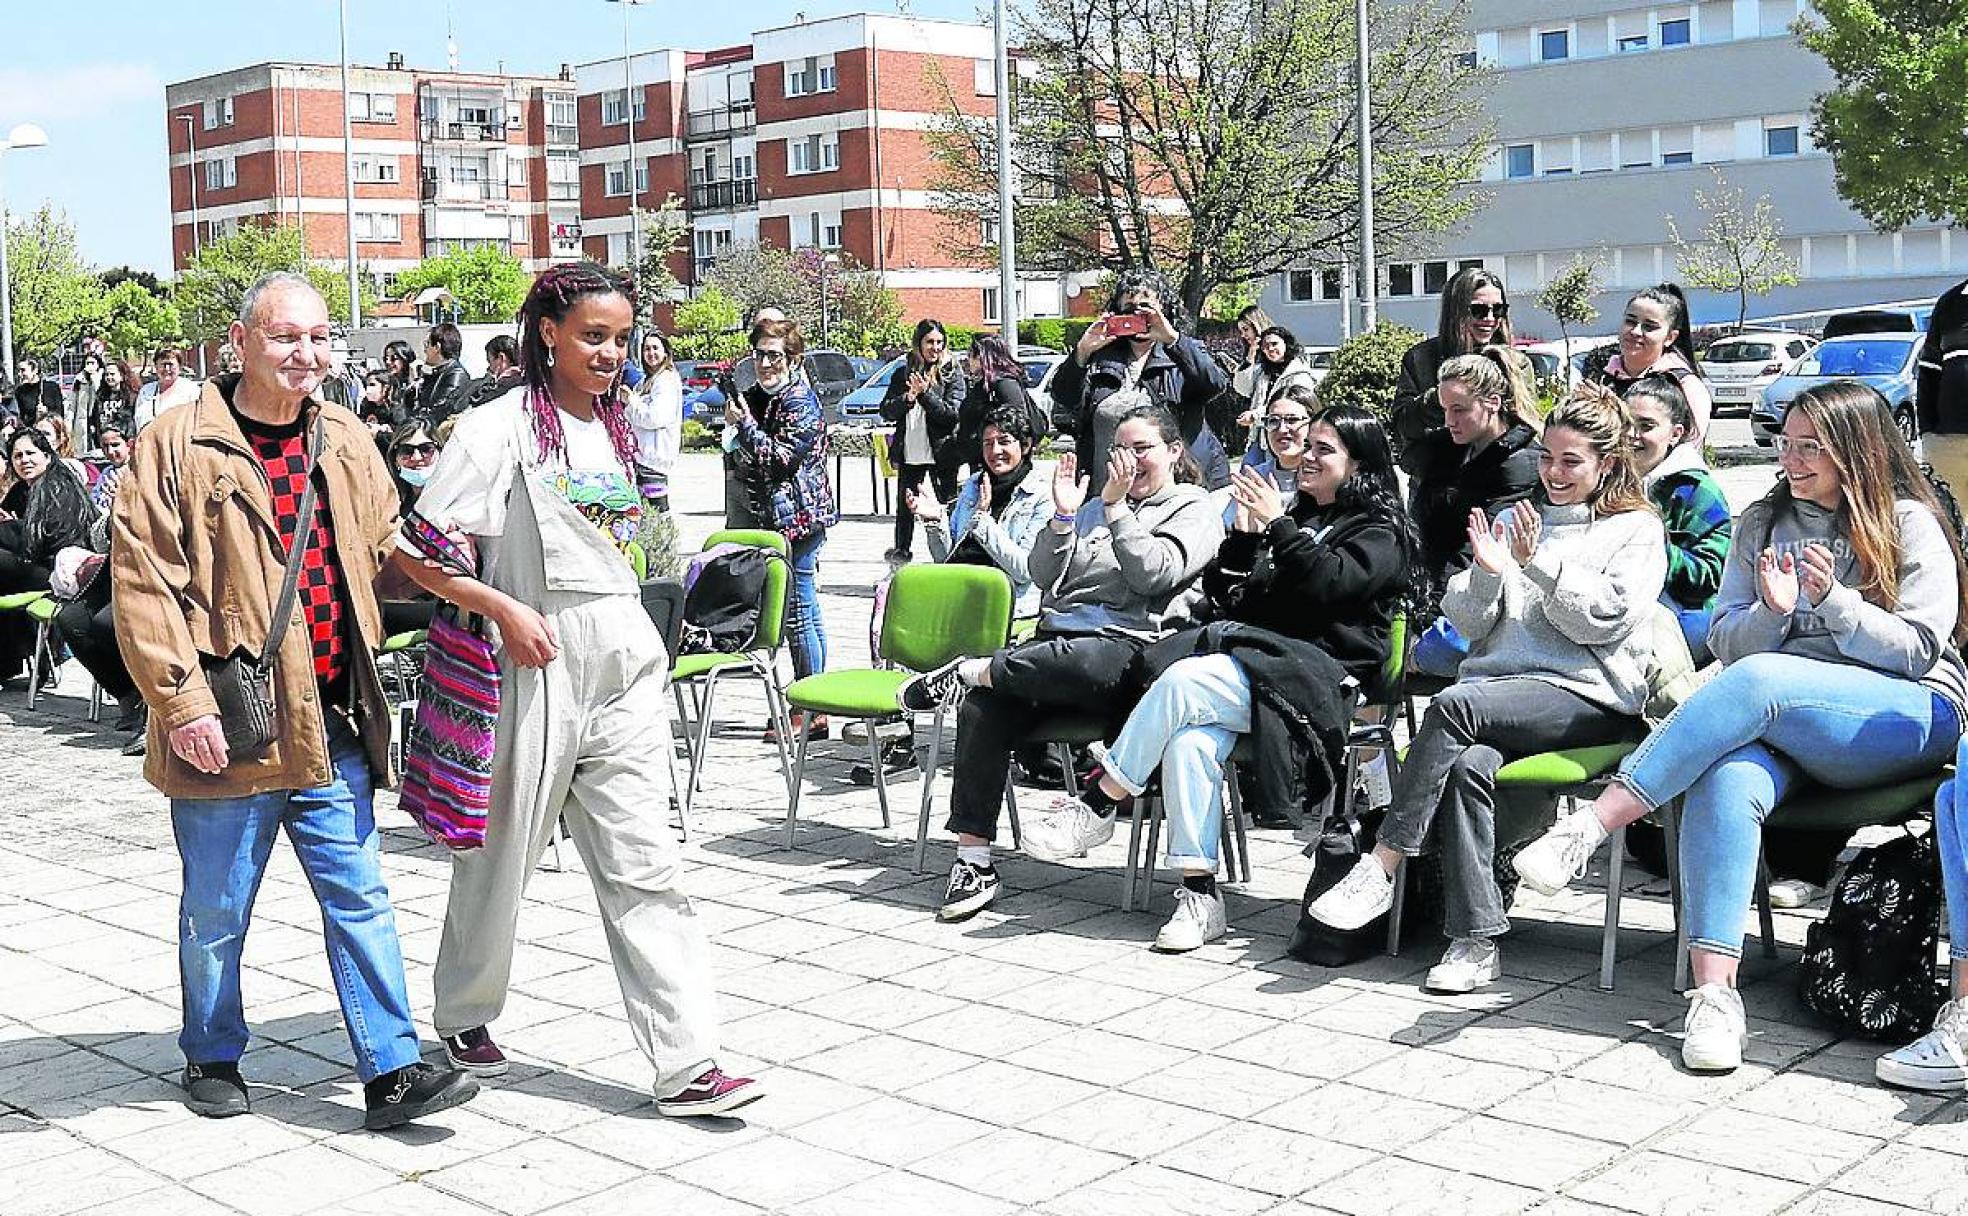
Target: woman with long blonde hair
point(1550, 604)
point(1840, 620)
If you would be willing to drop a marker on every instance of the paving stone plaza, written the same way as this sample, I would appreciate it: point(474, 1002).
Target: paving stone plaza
point(1038, 1058)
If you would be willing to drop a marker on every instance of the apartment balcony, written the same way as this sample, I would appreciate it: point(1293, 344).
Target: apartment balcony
point(720, 124)
point(725, 195)
point(464, 132)
point(441, 192)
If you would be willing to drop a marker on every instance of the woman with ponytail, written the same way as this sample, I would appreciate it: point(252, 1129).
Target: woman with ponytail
point(1654, 340)
point(535, 496)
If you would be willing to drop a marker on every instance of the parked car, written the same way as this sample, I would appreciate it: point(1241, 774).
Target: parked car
point(862, 407)
point(1319, 359)
point(1877, 321)
point(829, 372)
point(1741, 366)
point(1886, 361)
point(1549, 359)
point(864, 366)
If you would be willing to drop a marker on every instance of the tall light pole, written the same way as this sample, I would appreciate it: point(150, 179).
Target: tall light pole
point(348, 183)
point(628, 107)
point(191, 144)
point(1007, 241)
point(26, 135)
point(1367, 283)
point(827, 261)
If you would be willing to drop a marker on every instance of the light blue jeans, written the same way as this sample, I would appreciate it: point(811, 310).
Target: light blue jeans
point(1744, 740)
point(1951, 833)
point(805, 631)
point(224, 844)
point(1186, 723)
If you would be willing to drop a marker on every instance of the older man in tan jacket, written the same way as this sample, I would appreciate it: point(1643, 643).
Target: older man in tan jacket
point(202, 529)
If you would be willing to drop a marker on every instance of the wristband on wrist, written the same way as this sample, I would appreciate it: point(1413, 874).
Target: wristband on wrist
point(1064, 517)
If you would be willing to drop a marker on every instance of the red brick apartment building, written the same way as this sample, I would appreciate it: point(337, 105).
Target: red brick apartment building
point(442, 160)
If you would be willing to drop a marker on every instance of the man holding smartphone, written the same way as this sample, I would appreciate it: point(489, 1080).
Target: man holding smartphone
point(1131, 355)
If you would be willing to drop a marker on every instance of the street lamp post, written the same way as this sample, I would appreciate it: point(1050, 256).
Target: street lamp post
point(26, 135)
point(826, 261)
point(348, 182)
point(1363, 78)
point(1007, 242)
point(628, 108)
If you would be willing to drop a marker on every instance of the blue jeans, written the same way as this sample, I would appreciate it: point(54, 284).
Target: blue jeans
point(806, 632)
point(1951, 833)
point(1186, 723)
point(225, 843)
point(1745, 739)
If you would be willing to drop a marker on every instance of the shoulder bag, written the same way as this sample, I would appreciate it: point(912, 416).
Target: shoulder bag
point(448, 751)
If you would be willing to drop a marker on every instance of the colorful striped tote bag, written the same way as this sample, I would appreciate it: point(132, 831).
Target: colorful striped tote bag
point(447, 757)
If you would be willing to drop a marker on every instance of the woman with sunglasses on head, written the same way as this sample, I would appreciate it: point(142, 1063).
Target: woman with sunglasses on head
point(1475, 316)
point(1840, 621)
point(1654, 340)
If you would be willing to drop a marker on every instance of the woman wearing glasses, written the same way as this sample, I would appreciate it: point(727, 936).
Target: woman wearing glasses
point(1654, 341)
point(779, 456)
point(1278, 443)
point(1840, 618)
point(1475, 316)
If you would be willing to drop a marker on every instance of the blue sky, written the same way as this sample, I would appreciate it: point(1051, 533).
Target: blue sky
point(92, 74)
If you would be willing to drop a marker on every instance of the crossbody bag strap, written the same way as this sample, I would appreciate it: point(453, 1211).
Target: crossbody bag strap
point(290, 585)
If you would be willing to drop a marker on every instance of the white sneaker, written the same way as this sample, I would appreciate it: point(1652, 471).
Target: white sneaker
point(1550, 863)
point(1067, 828)
point(1937, 1060)
point(1712, 1036)
point(1793, 893)
point(1198, 918)
point(1469, 964)
point(1363, 894)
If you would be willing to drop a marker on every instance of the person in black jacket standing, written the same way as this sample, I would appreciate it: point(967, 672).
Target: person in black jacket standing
point(1302, 599)
point(34, 397)
point(923, 401)
point(445, 379)
point(1135, 345)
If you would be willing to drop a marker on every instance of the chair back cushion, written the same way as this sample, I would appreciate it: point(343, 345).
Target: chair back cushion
point(938, 613)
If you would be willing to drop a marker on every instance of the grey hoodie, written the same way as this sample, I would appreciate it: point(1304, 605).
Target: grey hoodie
point(1103, 576)
point(1912, 639)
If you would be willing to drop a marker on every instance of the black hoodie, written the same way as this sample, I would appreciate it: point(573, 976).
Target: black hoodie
point(1449, 483)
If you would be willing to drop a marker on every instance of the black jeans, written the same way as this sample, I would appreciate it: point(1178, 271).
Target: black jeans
point(909, 477)
point(17, 629)
point(88, 625)
point(1045, 673)
point(1448, 785)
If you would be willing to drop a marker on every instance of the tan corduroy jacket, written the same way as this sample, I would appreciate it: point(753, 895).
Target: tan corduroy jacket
point(196, 556)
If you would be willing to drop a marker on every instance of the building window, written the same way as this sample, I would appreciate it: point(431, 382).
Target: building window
point(1466, 61)
point(1301, 285)
point(814, 154)
point(221, 174)
point(1780, 141)
point(372, 170)
point(560, 112)
point(984, 77)
point(1470, 264)
point(618, 179)
point(1329, 282)
point(1520, 160)
point(1677, 158)
point(378, 226)
point(1554, 45)
point(1400, 279)
point(618, 249)
point(563, 175)
point(1679, 32)
point(991, 304)
point(1633, 42)
point(744, 167)
point(1434, 277)
point(372, 107)
point(814, 74)
point(988, 230)
point(218, 113)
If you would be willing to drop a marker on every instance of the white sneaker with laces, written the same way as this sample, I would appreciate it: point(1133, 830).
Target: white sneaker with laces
point(1550, 863)
point(1363, 894)
point(1937, 1060)
point(1469, 964)
point(1198, 918)
point(1713, 1034)
point(1067, 828)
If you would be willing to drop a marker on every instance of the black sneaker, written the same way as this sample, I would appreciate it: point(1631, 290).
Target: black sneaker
point(898, 757)
point(216, 1091)
point(413, 1091)
point(972, 889)
point(932, 688)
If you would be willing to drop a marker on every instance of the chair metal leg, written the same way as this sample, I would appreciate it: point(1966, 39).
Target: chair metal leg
point(1070, 778)
point(881, 780)
point(1150, 858)
point(676, 795)
point(1011, 812)
point(775, 704)
point(683, 725)
point(702, 752)
point(1766, 918)
point(1233, 819)
point(559, 830)
point(1394, 913)
point(929, 787)
point(34, 667)
point(1609, 939)
point(799, 779)
point(1133, 854)
point(95, 702)
point(1671, 828)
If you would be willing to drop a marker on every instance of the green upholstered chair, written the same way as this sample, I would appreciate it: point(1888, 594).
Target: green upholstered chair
point(934, 614)
point(699, 674)
point(39, 607)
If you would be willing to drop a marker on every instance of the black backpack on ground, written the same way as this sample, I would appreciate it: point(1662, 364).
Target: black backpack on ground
point(1869, 965)
point(724, 593)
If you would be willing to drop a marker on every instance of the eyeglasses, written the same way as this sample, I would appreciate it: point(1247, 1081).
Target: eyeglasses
point(1483, 312)
point(1285, 422)
point(1139, 449)
point(425, 450)
point(769, 356)
point(1803, 449)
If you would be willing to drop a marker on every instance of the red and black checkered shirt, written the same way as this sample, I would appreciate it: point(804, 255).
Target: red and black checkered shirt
point(283, 452)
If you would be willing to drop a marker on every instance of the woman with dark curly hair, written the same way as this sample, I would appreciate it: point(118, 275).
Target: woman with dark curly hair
point(542, 482)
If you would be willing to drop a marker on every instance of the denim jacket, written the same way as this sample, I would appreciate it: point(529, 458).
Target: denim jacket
point(782, 459)
point(1008, 540)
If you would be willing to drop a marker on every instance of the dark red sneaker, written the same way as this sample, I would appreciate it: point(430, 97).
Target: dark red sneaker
point(713, 1093)
point(475, 1052)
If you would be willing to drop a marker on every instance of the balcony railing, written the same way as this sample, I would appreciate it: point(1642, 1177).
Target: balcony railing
point(464, 192)
point(716, 196)
point(707, 124)
point(468, 132)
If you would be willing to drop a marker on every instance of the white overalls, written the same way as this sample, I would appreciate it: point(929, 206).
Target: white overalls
point(581, 739)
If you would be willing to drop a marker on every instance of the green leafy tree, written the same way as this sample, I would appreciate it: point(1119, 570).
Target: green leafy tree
point(1366, 368)
point(488, 283)
point(708, 326)
point(56, 298)
point(861, 314)
point(1739, 249)
point(755, 276)
point(135, 321)
point(1568, 297)
point(1893, 122)
point(209, 289)
point(1216, 139)
point(663, 231)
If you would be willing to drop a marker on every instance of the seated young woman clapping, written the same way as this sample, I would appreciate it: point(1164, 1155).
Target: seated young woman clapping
point(1550, 607)
point(1328, 573)
point(1839, 619)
